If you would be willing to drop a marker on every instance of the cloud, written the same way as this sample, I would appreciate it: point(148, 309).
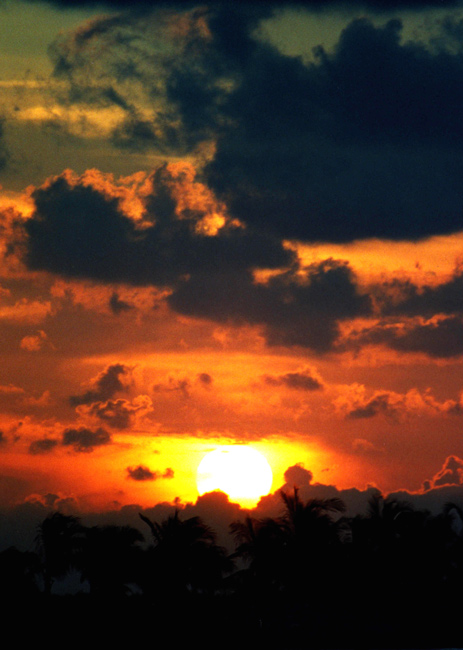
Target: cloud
point(25, 311)
point(33, 343)
point(174, 384)
point(443, 338)
point(10, 390)
point(364, 141)
point(146, 78)
point(135, 134)
point(381, 403)
point(113, 4)
point(450, 474)
point(354, 404)
point(380, 5)
point(357, 144)
point(143, 473)
point(454, 407)
point(117, 305)
point(303, 380)
point(140, 473)
point(437, 338)
point(4, 152)
point(386, 5)
point(444, 298)
point(84, 440)
point(104, 386)
point(42, 446)
point(297, 476)
point(394, 406)
point(120, 413)
point(205, 379)
point(83, 243)
point(293, 309)
point(363, 446)
point(77, 231)
point(14, 399)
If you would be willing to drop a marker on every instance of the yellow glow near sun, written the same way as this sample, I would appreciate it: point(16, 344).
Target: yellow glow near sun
point(238, 470)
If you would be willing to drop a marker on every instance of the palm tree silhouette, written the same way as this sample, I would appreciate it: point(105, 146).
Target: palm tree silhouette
point(59, 543)
point(260, 547)
point(260, 543)
point(185, 557)
point(312, 549)
point(392, 552)
point(18, 572)
point(454, 548)
point(310, 523)
point(111, 559)
point(288, 560)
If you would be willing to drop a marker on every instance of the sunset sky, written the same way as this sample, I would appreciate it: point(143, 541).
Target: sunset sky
point(229, 223)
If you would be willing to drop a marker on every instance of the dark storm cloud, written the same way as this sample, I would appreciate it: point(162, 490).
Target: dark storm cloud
point(180, 249)
point(42, 446)
point(291, 310)
point(296, 380)
point(143, 473)
point(194, 83)
point(105, 386)
point(438, 339)
point(445, 298)
point(383, 5)
point(433, 317)
point(83, 439)
point(365, 142)
point(77, 232)
point(379, 5)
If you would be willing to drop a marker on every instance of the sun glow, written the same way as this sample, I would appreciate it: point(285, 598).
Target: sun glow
point(240, 471)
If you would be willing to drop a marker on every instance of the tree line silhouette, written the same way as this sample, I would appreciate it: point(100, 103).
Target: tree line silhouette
point(391, 577)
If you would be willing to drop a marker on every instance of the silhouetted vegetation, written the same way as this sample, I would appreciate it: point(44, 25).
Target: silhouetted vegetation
point(311, 578)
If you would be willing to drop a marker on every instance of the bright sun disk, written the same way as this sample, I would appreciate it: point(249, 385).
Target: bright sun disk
point(240, 471)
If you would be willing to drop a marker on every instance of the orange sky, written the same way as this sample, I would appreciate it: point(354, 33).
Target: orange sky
point(188, 262)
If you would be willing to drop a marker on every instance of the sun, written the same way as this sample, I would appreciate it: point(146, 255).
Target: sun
point(240, 471)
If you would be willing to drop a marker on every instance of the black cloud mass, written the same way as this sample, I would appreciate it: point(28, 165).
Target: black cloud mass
point(292, 311)
point(78, 232)
point(380, 5)
point(364, 140)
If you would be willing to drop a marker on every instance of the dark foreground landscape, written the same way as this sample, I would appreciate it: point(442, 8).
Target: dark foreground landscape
point(390, 578)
